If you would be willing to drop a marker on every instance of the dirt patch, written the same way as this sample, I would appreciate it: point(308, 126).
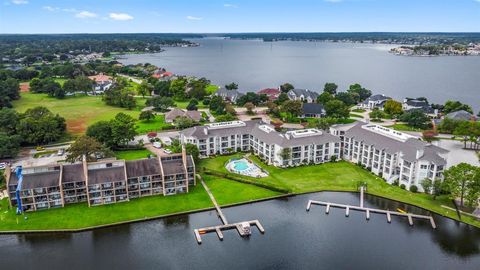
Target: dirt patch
point(76, 126)
point(24, 87)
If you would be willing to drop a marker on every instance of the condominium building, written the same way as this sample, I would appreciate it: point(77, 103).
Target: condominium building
point(307, 146)
point(393, 155)
point(103, 182)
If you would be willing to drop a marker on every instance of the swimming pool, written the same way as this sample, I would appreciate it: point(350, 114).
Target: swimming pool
point(240, 165)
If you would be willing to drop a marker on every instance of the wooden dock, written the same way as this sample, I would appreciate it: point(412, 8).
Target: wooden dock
point(367, 211)
point(226, 226)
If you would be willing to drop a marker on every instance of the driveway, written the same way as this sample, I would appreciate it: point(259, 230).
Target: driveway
point(457, 153)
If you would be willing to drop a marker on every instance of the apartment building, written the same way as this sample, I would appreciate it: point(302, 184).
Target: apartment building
point(99, 183)
point(392, 155)
point(281, 149)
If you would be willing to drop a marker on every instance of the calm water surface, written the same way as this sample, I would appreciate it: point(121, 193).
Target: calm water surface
point(256, 65)
point(294, 239)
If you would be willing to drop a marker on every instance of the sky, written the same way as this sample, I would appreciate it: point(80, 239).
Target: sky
point(215, 16)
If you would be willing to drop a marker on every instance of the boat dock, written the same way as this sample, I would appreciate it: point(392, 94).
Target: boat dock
point(243, 228)
point(367, 210)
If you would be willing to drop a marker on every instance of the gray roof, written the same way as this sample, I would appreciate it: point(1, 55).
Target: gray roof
point(174, 113)
point(378, 97)
point(408, 147)
point(416, 103)
point(230, 94)
point(313, 108)
point(460, 115)
point(143, 167)
point(106, 175)
point(73, 173)
point(253, 128)
point(37, 180)
point(173, 167)
point(305, 92)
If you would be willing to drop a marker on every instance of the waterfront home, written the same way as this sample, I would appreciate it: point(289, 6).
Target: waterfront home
point(228, 95)
point(303, 95)
point(102, 83)
point(174, 113)
point(281, 149)
point(395, 156)
point(375, 101)
point(271, 93)
point(461, 116)
point(313, 110)
point(410, 104)
point(104, 182)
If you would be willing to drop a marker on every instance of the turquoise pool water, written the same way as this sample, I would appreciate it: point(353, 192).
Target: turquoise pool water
point(240, 165)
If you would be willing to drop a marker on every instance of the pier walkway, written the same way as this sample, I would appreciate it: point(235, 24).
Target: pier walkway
point(243, 228)
point(367, 210)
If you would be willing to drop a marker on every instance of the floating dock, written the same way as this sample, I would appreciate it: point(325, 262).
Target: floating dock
point(239, 226)
point(367, 210)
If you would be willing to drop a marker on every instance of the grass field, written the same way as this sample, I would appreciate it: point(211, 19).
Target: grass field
point(79, 111)
point(404, 127)
point(356, 115)
point(156, 124)
point(132, 154)
point(184, 104)
point(339, 176)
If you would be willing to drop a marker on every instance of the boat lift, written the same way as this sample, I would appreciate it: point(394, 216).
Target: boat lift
point(367, 210)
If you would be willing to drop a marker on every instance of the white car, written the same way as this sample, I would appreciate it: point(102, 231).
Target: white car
point(166, 151)
point(157, 145)
point(3, 165)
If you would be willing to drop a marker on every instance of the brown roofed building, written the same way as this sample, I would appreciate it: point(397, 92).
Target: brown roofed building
point(174, 113)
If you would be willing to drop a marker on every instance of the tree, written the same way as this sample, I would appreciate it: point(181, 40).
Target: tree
point(393, 107)
point(454, 106)
point(225, 117)
point(253, 98)
point(144, 88)
point(325, 97)
point(416, 119)
point(9, 144)
point(83, 84)
point(249, 106)
point(192, 149)
point(286, 87)
point(376, 114)
point(217, 105)
point(359, 92)
point(337, 109)
point(330, 88)
point(427, 185)
point(192, 105)
point(322, 123)
point(281, 98)
point(286, 153)
point(161, 104)
point(231, 86)
point(177, 87)
point(162, 88)
point(347, 98)
point(88, 147)
point(146, 116)
point(102, 132)
point(38, 125)
point(183, 122)
point(197, 88)
point(8, 120)
point(448, 125)
point(123, 129)
point(9, 91)
point(292, 107)
point(273, 108)
point(119, 95)
point(463, 182)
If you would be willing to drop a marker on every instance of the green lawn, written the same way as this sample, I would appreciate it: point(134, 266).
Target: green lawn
point(79, 111)
point(156, 124)
point(229, 192)
point(184, 104)
point(404, 127)
point(356, 115)
point(211, 88)
point(339, 176)
point(132, 154)
point(359, 110)
point(81, 216)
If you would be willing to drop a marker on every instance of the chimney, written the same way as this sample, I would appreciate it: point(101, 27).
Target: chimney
point(419, 153)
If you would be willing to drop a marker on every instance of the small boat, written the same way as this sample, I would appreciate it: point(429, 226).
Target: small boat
point(202, 232)
point(401, 211)
point(245, 229)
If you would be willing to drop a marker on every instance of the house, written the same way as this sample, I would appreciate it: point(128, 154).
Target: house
point(304, 95)
point(395, 156)
point(174, 113)
point(102, 83)
point(312, 110)
point(410, 104)
point(162, 73)
point(99, 183)
point(375, 101)
point(271, 93)
point(306, 146)
point(461, 116)
point(228, 95)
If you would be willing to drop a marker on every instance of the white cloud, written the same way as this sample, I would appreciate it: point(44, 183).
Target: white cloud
point(120, 16)
point(49, 8)
point(235, 6)
point(85, 14)
point(193, 18)
point(20, 2)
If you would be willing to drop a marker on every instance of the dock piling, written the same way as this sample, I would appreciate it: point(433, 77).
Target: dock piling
point(327, 210)
point(368, 214)
point(347, 211)
point(410, 220)
point(389, 217)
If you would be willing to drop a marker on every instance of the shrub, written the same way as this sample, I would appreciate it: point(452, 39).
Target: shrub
point(402, 186)
point(413, 188)
point(395, 183)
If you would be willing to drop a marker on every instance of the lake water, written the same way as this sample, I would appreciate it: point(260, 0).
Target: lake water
point(294, 239)
point(255, 65)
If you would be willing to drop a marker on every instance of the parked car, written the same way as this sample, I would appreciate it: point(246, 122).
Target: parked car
point(3, 165)
point(60, 152)
point(157, 145)
point(166, 151)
